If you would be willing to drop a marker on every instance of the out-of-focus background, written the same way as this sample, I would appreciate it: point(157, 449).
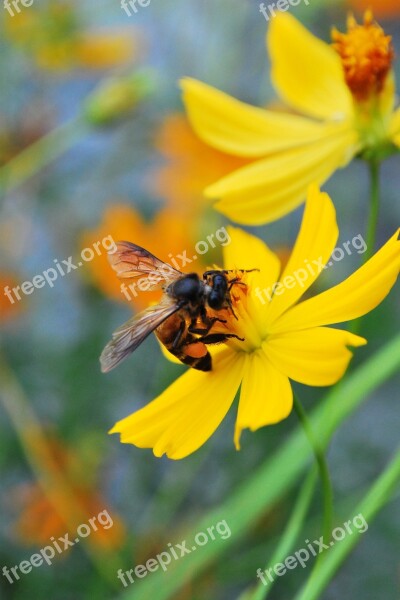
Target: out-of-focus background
point(138, 175)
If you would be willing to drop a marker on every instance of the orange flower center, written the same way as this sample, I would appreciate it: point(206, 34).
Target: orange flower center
point(367, 55)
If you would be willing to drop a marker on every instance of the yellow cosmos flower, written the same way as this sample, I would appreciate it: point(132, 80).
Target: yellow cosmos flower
point(284, 339)
point(345, 91)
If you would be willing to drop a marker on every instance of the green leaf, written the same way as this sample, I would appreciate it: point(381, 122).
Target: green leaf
point(369, 506)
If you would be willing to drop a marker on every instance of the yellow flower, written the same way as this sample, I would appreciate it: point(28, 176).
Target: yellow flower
point(346, 93)
point(284, 339)
point(190, 165)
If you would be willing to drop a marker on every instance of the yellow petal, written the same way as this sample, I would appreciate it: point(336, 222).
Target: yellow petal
point(306, 71)
point(395, 128)
point(314, 245)
point(354, 297)
point(246, 251)
point(187, 413)
point(241, 129)
point(270, 188)
point(317, 356)
point(266, 396)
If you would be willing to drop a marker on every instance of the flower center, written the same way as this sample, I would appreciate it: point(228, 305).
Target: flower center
point(367, 55)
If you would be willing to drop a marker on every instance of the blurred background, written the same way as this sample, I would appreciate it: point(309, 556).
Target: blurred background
point(97, 91)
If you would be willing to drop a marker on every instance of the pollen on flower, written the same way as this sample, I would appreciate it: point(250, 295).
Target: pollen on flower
point(367, 55)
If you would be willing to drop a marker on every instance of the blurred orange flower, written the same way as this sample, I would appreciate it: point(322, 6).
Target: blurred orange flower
point(168, 235)
point(380, 8)
point(39, 520)
point(191, 165)
point(8, 309)
point(56, 39)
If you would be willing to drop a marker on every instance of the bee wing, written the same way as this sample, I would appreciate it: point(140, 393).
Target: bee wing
point(131, 334)
point(131, 262)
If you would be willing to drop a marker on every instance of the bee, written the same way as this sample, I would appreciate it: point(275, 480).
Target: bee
point(181, 320)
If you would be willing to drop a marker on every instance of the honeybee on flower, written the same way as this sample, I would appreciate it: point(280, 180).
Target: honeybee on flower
point(273, 342)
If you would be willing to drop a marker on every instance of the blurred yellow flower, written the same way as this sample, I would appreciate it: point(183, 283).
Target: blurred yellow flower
point(56, 40)
point(39, 519)
point(190, 165)
point(347, 94)
point(284, 339)
point(167, 235)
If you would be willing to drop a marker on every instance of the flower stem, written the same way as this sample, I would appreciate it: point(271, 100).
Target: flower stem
point(379, 494)
point(374, 208)
point(39, 154)
point(374, 171)
point(291, 532)
point(323, 470)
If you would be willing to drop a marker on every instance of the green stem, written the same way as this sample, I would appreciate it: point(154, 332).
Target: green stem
point(374, 170)
point(323, 470)
point(374, 208)
point(379, 494)
point(39, 154)
point(291, 533)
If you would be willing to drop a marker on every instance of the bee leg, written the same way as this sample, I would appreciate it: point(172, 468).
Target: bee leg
point(229, 303)
point(178, 336)
point(209, 324)
point(235, 282)
point(218, 338)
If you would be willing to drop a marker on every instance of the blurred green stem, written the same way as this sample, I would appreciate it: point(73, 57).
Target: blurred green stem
point(291, 533)
point(323, 470)
point(42, 152)
point(39, 456)
point(374, 170)
point(379, 494)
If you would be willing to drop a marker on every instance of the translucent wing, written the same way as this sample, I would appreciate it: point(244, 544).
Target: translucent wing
point(133, 262)
point(132, 333)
